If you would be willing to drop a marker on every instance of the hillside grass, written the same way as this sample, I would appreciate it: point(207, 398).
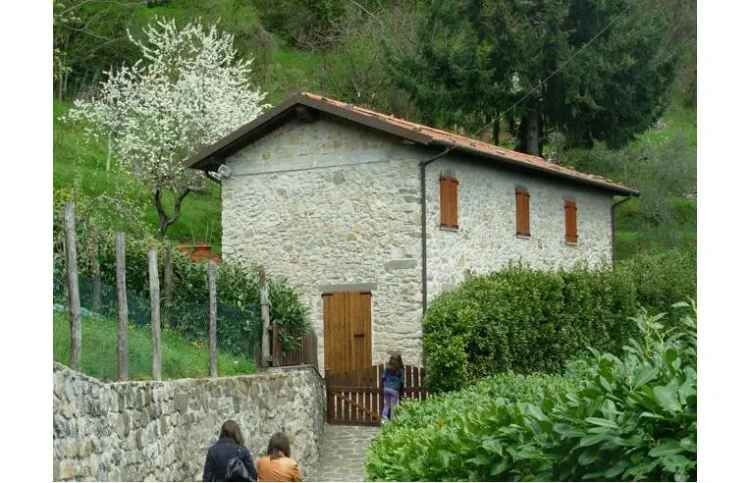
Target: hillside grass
point(181, 358)
point(634, 232)
point(80, 162)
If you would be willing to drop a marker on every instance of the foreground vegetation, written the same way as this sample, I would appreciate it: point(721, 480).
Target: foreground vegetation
point(180, 357)
point(632, 417)
point(530, 321)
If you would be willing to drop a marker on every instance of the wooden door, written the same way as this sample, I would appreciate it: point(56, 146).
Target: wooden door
point(347, 330)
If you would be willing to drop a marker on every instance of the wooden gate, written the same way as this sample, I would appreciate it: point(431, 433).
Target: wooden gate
point(355, 397)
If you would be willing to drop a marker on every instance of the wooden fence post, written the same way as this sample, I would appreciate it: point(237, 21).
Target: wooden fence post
point(275, 345)
point(310, 349)
point(74, 299)
point(153, 283)
point(212, 368)
point(96, 303)
point(265, 316)
point(122, 309)
point(168, 287)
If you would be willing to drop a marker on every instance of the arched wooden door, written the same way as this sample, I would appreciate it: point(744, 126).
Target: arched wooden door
point(347, 326)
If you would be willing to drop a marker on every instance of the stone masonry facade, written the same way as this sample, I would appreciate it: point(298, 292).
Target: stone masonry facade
point(352, 226)
point(336, 207)
point(150, 430)
point(486, 238)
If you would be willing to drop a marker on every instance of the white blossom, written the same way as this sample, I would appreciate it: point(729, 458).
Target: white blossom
point(189, 89)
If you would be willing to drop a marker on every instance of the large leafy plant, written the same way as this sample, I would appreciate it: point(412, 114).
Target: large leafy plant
point(609, 418)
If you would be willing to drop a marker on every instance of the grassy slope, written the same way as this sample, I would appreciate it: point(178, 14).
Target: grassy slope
point(634, 233)
point(77, 161)
point(180, 357)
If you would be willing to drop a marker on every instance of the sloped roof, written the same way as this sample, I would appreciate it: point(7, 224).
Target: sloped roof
point(211, 156)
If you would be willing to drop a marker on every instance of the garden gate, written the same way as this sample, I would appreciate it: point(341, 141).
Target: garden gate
point(355, 397)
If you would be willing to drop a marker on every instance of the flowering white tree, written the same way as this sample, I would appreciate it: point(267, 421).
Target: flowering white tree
point(189, 89)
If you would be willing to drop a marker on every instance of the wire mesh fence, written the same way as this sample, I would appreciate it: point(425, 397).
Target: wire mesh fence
point(237, 329)
point(156, 269)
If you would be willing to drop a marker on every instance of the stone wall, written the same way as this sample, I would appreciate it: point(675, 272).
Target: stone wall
point(486, 238)
point(351, 224)
point(153, 430)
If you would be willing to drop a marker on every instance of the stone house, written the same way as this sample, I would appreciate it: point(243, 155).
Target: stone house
point(371, 216)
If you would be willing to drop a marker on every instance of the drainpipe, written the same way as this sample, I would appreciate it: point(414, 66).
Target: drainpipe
point(422, 180)
point(612, 222)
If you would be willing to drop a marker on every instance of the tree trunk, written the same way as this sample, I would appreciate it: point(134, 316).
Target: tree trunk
point(165, 221)
point(531, 131)
point(496, 131)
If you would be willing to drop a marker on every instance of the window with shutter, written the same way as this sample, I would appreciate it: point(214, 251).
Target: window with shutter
point(571, 222)
point(522, 212)
point(448, 202)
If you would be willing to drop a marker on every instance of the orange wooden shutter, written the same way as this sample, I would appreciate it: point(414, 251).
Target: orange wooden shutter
point(522, 212)
point(448, 201)
point(571, 222)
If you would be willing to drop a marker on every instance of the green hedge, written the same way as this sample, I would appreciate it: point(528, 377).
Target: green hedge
point(609, 418)
point(527, 321)
point(238, 296)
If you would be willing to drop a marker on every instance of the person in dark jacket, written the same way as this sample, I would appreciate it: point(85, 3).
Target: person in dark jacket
point(230, 445)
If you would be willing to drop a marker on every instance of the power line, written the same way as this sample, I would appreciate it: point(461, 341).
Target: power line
point(556, 71)
point(560, 69)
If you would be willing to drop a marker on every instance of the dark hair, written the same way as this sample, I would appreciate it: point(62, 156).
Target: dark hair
point(279, 443)
point(230, 429)
point(395, 363)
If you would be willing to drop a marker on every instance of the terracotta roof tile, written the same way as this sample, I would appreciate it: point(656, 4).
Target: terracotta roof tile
point(418, 133)
point(442, 137)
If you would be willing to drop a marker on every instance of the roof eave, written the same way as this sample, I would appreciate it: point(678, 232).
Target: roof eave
point(611, 187)
point(210, 156)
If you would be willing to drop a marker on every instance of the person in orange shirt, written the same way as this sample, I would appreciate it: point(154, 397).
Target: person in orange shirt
point(278, 465)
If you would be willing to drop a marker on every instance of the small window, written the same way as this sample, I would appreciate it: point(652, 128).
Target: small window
point(522, 212)
point(571, 222)
point(448, 202)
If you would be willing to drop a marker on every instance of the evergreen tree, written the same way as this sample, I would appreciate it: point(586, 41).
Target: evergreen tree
point(589, 69)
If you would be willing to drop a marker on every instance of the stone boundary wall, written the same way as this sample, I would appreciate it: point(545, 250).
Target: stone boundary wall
point(161, 430)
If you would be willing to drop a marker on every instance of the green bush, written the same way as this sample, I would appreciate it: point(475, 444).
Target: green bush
point(238, 295)
point(609, 418)
point(528, 321)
